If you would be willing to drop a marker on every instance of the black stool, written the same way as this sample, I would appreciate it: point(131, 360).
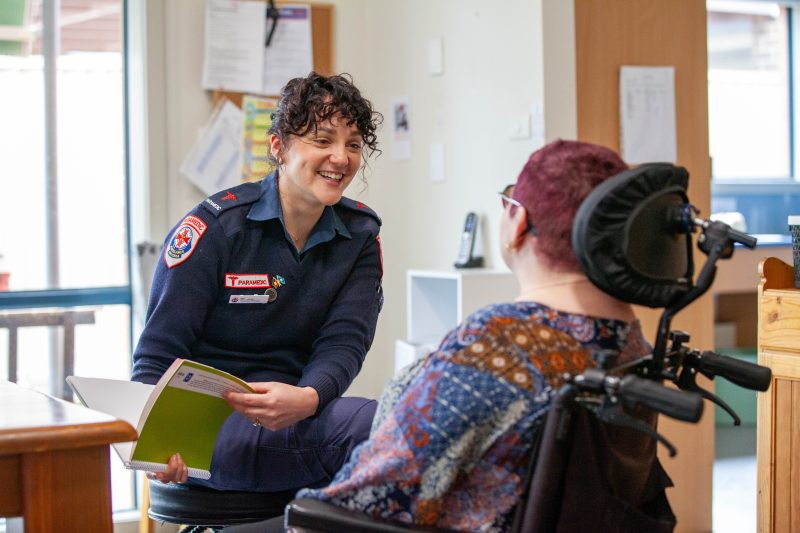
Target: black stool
point(201, 508)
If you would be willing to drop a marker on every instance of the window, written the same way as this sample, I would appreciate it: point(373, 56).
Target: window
point(750, 129)
point(63, 225)
point(752, 111)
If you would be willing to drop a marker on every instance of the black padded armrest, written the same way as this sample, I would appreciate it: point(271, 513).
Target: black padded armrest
point(308, 515)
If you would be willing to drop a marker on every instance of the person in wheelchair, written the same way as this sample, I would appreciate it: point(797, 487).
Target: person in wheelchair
point(454, 432)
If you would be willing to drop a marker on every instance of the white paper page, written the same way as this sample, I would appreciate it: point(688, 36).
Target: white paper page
point(647, 114)
point(213, 162)
point(203, 382)
point(119, 398)
point(194, 377)
point(234, 45)
point(289, 54)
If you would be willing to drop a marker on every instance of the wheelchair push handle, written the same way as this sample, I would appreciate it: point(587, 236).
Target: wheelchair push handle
point(747, 375)
point(678, 404)
point(748, 241)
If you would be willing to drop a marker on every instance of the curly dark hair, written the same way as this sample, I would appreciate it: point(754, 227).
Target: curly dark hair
point(305, 102)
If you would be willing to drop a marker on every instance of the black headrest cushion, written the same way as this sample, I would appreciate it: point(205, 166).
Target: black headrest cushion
point(626, 240)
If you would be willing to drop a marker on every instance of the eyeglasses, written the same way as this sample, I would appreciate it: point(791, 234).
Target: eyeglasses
point(506, 197)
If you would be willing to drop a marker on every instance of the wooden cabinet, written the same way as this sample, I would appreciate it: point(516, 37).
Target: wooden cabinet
point(778, 448)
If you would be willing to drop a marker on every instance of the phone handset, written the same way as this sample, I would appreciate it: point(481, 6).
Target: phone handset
point(465, 250)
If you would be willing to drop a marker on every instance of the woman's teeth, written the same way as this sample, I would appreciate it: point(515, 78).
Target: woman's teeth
point(331, 175)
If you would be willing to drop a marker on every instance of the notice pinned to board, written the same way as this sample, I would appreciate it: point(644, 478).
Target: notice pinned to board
point(289, 54)
point(237, 57)
point(647, 114)
point(234, 45)
point(255, 153)
point(213, 162)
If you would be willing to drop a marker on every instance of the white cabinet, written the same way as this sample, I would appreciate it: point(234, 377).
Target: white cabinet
point(437, 301)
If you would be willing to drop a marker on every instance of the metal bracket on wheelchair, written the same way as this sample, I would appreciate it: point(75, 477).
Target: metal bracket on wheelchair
point(608, 404)
point(682, 364)
point(717, 241)
point(687, 376)
point(611, 412)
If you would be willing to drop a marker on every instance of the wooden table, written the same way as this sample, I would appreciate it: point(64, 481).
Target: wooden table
point(54, 461)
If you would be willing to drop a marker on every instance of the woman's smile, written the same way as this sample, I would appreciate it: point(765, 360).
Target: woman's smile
point(333, 176)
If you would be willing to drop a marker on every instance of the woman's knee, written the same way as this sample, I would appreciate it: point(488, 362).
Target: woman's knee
point(343, 423)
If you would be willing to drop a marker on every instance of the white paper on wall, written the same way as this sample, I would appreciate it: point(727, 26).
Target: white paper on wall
point(234, 45)
point(290, 53)
point(647, 114)
point(213, 161)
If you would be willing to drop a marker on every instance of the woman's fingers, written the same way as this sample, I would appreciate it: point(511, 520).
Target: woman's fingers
point(177, 471)
point(184, 470)
point(274, 405)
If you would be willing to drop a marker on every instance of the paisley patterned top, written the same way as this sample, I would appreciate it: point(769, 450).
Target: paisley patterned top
point(451, 438)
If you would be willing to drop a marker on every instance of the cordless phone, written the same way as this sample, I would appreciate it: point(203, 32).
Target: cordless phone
point(465, 258)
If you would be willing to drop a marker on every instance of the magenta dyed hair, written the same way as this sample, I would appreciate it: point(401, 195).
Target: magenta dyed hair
point(552, 185)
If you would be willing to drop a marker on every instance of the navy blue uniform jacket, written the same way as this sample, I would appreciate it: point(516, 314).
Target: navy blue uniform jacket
point(317, 329)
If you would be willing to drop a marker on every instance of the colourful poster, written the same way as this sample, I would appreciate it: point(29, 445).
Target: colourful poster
point(255, 137)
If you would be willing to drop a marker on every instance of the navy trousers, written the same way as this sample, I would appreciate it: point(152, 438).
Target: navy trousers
point(307, 454)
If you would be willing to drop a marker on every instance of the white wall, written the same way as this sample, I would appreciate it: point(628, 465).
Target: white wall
point(494, 64)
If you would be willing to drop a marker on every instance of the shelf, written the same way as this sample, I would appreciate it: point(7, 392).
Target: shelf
point(437, 301)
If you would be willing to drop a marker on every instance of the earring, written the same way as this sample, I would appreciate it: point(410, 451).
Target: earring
point(511, 246)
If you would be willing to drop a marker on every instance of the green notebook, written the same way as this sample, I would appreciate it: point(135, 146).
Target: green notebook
point(182, 413)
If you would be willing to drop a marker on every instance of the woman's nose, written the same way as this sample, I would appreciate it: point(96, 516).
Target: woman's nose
point(339, 155)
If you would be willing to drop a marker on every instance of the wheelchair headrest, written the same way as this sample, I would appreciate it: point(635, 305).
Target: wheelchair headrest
point(628, 239)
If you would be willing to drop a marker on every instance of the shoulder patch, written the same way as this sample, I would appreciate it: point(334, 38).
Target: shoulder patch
point(184, 240)
point(359, 207)
point(243, 194)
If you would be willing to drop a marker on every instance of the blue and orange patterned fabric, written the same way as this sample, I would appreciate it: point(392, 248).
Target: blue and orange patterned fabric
point(453, 432)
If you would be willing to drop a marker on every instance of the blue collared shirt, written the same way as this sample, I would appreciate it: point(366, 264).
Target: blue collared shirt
point(208, 297)
point(268, 207)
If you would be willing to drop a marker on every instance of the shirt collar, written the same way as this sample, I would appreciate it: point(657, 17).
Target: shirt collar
point(268, 207)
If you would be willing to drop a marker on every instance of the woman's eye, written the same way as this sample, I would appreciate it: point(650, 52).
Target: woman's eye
point(355, 146)
point(321, 141)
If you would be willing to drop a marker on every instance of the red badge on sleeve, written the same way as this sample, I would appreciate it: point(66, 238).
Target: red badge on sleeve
point(184, 241)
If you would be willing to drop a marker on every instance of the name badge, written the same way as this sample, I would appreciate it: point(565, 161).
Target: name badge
point(270, 295)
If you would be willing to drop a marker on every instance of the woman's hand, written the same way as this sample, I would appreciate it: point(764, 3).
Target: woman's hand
point(275, 405)
point(176, 471)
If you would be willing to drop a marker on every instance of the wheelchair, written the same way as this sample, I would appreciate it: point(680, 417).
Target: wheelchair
point(633, 236)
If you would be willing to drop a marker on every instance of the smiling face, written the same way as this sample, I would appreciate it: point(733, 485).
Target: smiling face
point(316, 168)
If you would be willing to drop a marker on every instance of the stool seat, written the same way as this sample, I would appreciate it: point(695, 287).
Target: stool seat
point(200, 506)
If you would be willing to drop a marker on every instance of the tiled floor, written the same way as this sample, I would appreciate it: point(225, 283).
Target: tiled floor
point(734, 492)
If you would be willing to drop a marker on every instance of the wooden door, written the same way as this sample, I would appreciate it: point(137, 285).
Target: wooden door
point(612, 33)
